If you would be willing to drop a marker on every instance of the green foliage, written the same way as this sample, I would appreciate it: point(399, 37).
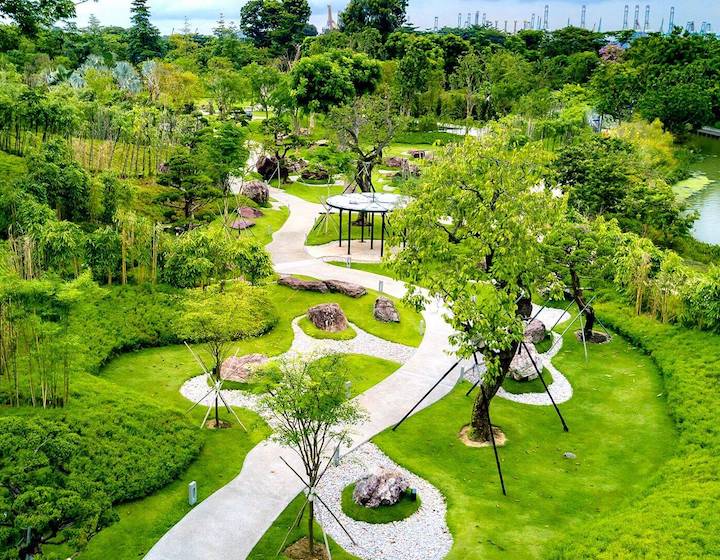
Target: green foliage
point(381, 514)
point(198, 256)
point(31, 15)
point(682, 498)
point(384, 15)
point(186, 175)
point(144, 39)
point(277, 25)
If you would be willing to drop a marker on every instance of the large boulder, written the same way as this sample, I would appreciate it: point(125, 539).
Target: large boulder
point(241, 224)
point(521, 367)
point(249, 212)
point(395, 161)
point(315, 174)
point(257, 191)
point(241, 368)
point(535, 331)
point(268, 168)
point(382, 488)
point(328, 317)
point(297, 165)
point(346, 288)
point(386, 311)
point(298, 284)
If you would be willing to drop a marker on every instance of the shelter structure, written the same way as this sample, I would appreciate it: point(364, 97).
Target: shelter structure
point(366, 204)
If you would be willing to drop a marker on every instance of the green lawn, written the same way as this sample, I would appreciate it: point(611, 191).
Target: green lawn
point(381, 514)
point(619, 430)
point(268, 546)
point(293, 303)
point(311, 193)
point(311, 330)
point(376, 268)
point(322, 235)
point(521, 387)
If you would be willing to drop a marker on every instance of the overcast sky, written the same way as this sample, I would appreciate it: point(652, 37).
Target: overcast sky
point(170, 14)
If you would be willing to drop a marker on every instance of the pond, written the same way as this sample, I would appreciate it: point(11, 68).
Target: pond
point(702, 190)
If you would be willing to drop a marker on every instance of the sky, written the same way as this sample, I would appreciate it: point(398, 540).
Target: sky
point(202, 14)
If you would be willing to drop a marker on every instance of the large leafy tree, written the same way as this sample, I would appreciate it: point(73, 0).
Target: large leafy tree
point(384, 15)
point(468, 77)
point(278, 25)
point(144, 39)
point(472, 236)
point(31, 15)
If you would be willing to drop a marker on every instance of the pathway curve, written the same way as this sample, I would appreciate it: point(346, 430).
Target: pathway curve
point(231, 521)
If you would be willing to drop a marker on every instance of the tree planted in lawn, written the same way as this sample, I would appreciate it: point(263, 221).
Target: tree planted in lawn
point(312, 415)
point(366, 127)
point(473, 234)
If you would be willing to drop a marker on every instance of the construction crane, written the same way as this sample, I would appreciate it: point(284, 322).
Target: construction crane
point(636, 20)
point(582, 16)
point(671, 22)
point(625, 17)
point(647, 17)
point(545, 17)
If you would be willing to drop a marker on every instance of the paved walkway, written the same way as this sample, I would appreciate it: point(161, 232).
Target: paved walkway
point(229, 523)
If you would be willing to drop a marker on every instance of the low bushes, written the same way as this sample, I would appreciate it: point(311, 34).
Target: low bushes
point(677, 517)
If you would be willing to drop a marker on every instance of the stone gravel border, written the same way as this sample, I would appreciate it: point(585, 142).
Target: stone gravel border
point(422, 536)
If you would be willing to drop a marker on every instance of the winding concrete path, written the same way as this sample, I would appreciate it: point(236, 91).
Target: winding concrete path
point(229, 523)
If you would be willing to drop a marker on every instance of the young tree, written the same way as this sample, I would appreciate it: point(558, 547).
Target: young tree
point(472, 236)
point(312, 416)
point(102, 250)
point(468, 77)
point(366, 127)
point(225, 84)
point(278, 25)
point(31, 15)
point(262, 81)
point(224, 151)
point(192, 188)
point(576, 251)
point(216, 318)
point(144, 39)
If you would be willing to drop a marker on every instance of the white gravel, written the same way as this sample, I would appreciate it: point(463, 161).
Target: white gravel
point(422, 536)
point(560, 388)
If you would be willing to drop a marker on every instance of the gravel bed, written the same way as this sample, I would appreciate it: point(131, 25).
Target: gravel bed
point(560, 388)
point(422, 536)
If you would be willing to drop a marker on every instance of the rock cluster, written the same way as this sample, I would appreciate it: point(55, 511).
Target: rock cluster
point(268, 168)
point(535, 331)
point(242, 224)
point(328, 317)
point(241, 368)
point(395, 161)
point(383, 488)
point(386, 311)
point(323, 286)
point(257, 191)
point(521, 367)
point(315, 174)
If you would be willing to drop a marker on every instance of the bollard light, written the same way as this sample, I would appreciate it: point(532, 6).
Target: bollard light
point(192, 493)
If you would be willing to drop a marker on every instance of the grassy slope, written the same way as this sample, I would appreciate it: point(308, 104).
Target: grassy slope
point(11, 167)
point(158, 373)
point(677, 517)
point(618, 429)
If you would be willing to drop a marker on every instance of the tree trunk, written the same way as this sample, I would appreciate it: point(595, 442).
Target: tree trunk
point(363, 175)
point(579, 298)
point(488, 388)
point(311, 528)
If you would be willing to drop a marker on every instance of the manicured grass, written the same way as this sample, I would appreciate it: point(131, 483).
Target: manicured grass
point(376, 268)
point(381, 514)
point(619, 430)
point(677, 517)
point(522, 387)
point(311, 193)
point(293, 303)
point(362, 371)
point(271, 541)
point(545, 344)
point(322, 235)
point(311, 330)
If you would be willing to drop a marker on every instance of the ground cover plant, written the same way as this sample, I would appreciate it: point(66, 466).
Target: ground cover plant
point(619, 432)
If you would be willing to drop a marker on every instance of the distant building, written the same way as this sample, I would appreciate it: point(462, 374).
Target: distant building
point(330, 25)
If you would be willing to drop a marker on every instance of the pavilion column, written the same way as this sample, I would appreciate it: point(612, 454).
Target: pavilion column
point(372, 231)
point(340, 228)
point(382, 236)
point(349, 235)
